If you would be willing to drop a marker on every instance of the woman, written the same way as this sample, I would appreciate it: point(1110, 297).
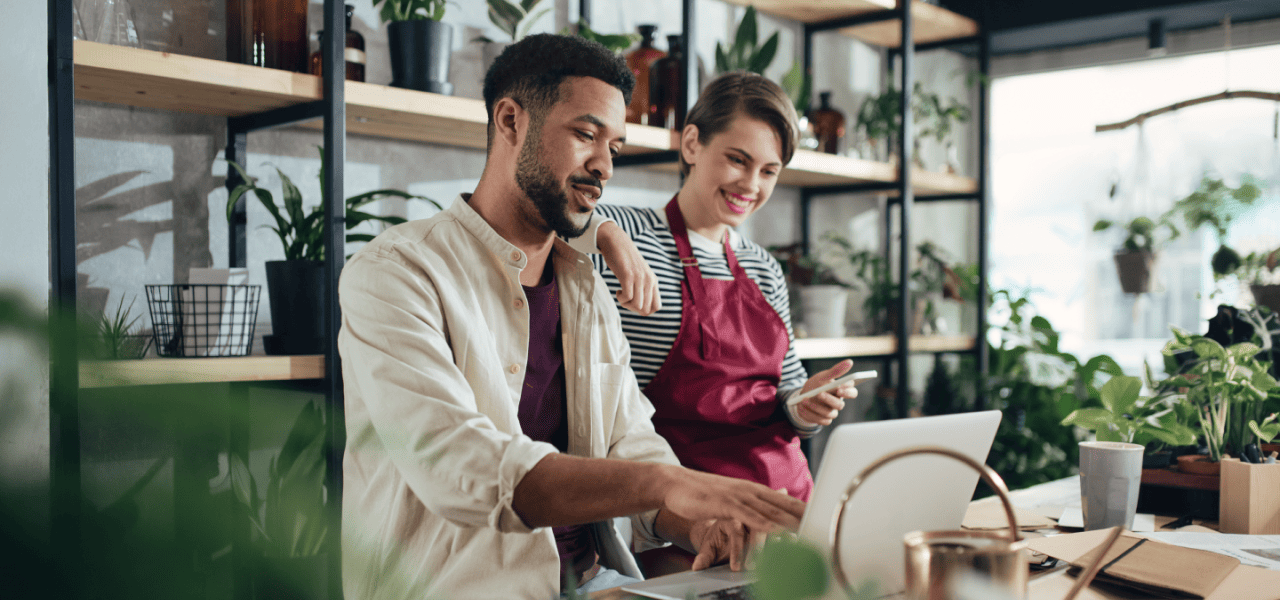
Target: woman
point(717, 359)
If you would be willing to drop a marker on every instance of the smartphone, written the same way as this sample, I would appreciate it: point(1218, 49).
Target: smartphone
point(858, 377)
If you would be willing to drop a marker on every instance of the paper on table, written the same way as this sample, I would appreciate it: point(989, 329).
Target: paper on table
point(990, 515)
point(1257, 550)
point(1073, 518)
point(1244, 583)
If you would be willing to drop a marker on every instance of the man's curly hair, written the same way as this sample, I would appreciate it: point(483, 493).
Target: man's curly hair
point(530, 72)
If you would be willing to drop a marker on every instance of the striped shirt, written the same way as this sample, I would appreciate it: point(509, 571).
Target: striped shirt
point(652, 337)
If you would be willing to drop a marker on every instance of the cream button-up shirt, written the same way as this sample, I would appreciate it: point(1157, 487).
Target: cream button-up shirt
point(434, 342)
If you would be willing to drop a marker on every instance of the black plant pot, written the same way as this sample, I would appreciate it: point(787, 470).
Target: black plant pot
point(420, 55)
point(297, 307)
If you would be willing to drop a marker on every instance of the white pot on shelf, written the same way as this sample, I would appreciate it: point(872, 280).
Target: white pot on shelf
point(824, 310)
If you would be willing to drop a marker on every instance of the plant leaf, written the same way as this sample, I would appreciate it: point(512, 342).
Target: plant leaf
point(1120, 394)
point(764, 57)
point(530, 21)
point(1093, 419)
point(746, 37)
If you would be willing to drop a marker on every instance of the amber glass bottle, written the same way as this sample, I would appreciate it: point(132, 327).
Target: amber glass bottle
point(354, 52)
point(664, 87)
point(639, 61)
point(828, 124)
point(268, 33)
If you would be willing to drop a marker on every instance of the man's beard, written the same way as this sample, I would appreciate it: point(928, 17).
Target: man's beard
point(538, 183)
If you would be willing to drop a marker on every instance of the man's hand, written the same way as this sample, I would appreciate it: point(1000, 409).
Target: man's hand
point(718, 540)
point(697, 496)
point(823, 408)
point(639, 285)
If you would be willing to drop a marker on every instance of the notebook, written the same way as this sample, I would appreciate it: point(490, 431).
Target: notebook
point(916, 493)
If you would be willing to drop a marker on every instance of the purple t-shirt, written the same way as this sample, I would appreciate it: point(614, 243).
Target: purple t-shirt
point(542, 410)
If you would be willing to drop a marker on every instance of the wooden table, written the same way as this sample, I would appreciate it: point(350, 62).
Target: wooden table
point(1047, 499)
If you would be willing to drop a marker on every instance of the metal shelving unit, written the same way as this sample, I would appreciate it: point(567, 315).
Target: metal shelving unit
point(85, 70)
point(817, 174)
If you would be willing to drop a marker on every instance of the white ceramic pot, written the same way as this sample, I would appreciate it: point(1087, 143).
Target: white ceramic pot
point(824, 307)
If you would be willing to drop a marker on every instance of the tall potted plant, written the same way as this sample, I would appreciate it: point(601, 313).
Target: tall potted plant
point(287, 515)
point(1137, 254)
point(296, 284)
point(420, 44)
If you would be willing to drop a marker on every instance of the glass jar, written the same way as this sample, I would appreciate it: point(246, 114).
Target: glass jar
point(268, 33)
point(639, 61)
point(665, 87)
point(353, 52)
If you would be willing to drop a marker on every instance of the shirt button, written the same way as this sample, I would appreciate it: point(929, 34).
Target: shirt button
point(514, 368)
point(519, 302)
point(515, 255)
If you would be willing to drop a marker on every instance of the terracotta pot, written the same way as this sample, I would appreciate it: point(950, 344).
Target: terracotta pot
point(1198, 464)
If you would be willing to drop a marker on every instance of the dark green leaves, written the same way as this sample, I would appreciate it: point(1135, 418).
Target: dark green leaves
point(410, 10)
point(301, 232)
point(745, 54)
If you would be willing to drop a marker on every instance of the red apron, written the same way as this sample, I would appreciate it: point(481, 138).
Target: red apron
point(716, 396)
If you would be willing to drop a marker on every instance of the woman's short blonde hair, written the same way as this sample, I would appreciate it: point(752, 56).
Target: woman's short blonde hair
point(748, 94)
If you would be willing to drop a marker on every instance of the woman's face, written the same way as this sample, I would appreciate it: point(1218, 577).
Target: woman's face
point(733, 174)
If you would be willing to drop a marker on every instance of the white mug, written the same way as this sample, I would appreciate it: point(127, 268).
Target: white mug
point(1109, 476)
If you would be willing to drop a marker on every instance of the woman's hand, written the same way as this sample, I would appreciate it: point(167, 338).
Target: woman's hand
point(639, 284)
point(823, 408)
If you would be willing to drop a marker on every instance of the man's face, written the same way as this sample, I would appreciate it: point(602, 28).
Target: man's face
point(566, 158)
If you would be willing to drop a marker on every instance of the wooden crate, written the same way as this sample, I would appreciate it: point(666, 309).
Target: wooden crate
point(1249, 500)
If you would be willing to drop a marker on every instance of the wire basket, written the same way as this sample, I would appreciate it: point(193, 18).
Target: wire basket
point(202, 320)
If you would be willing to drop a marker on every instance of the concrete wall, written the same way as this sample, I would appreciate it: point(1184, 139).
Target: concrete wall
point(24, 272)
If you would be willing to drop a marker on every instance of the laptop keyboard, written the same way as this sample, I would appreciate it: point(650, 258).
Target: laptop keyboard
point(739, 592)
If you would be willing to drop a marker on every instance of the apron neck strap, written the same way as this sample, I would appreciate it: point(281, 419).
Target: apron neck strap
point(680, 232)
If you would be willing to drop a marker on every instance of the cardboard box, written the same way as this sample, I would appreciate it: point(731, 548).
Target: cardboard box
point(1249, 498)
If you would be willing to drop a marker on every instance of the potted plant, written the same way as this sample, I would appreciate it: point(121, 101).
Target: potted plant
point(879, 120)
point(113, 336)
point(823, 294)
point(1216, 204)
point(296, 284)
point(938, 122)
point(514, 18)
point(1137, 253)
point(1226, 385)
point(1128, 416)
point(615, 42)
point(746, 53)
point(420, 44)
point(288, 515)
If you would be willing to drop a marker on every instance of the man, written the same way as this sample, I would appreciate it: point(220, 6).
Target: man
point(495, 430)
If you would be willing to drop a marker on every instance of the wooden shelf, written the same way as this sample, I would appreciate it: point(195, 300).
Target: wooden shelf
point(931, 23)
point(879, 345)
point(156, 371)
point(148, 79)
point(817, 169)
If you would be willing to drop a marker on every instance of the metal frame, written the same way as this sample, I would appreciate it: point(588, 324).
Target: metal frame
point(64, 371)
point(64, 434)
point(906, 197)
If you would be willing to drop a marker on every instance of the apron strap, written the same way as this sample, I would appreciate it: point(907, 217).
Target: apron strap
point(710, 344)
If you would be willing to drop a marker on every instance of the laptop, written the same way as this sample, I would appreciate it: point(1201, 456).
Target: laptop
point(916, 493)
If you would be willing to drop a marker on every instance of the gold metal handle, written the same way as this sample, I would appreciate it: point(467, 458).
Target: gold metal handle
point(988, 475)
